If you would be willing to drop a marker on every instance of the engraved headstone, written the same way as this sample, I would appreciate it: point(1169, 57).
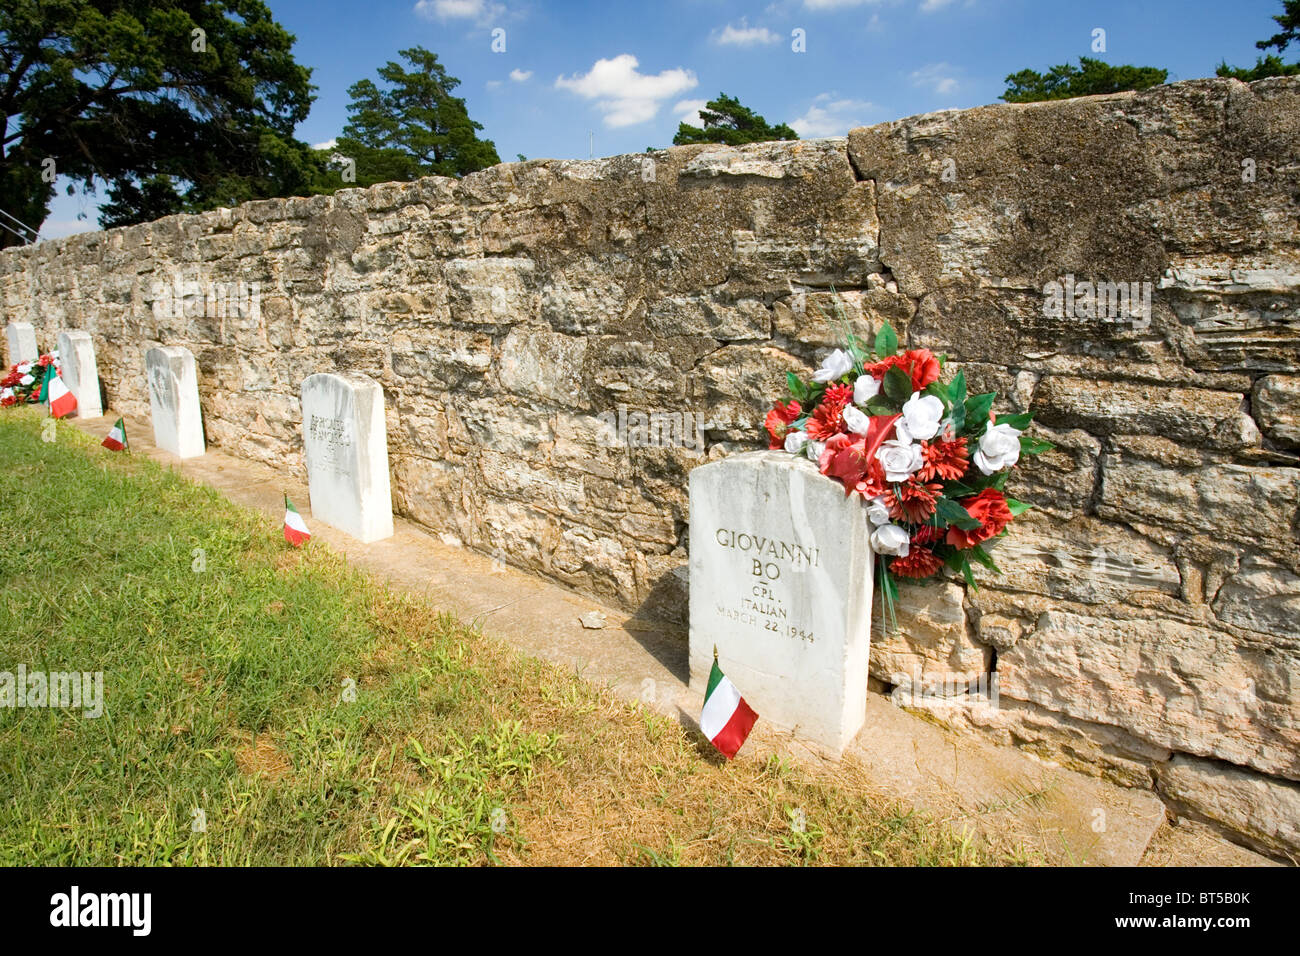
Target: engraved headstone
point(80, 373)
point(20, 338)
point(174, 400)
point(345, 445)
point(781, 583)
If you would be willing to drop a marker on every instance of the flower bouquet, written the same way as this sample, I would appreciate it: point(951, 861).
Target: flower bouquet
point(22, 385)
point(930, 462)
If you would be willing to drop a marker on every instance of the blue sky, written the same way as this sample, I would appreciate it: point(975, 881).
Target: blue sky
point(618, 76)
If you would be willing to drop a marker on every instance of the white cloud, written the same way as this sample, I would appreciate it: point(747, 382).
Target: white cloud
point(328, 144)
point(688, 111)
point(493, 84)
point(828, 116)
point(480, 11)
point(930, 6)
point(835, 4)
point(745, 35)
point(938, 77)
point(623, 94)
point(521, 76)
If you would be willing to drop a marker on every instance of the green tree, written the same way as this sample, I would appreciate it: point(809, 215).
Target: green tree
point(413, 127)
point(1089, 78)
point(174, 106)
point(1272, 64)
point(726, 121)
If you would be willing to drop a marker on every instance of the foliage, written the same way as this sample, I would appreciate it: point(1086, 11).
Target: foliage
point(727, 121)
point(1089, 78)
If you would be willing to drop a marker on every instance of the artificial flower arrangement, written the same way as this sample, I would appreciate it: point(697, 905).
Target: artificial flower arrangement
point(930, 462)
point(22, 385)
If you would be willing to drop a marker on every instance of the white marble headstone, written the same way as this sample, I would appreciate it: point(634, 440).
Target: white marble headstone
point(781, 583)
point(345, 445)
point(20, 338)
point(174, 400)
point(80, 373)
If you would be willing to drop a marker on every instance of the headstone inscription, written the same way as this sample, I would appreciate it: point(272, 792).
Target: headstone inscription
point(781, 584)
point(345, 445)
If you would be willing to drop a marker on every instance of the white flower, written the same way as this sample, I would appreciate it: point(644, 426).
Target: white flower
point(900, 458)
point(7, 393)
point(999, 448)
point(54, 354)
point(865, 389)
point(834, 366)
point(27, 379)
point(24, 367)
point(794, 442)
point(891, 539)
point(877, 511)
point(921, 415)
point(814, 450)
point(855, 421)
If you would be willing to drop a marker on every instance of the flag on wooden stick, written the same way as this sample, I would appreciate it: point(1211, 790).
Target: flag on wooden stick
point(726, 719)
point(56, 394)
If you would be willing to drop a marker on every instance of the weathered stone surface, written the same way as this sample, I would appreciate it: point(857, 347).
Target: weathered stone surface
point(1264, 810)
point(1175, 685)
point(781, 576)
point(1277, 406)
point(1193, 416)
point(930, 637)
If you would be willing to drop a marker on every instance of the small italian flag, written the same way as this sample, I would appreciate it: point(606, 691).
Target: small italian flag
point(56, 394)
point(726, 719)
point(116, 439)
point(295, 529)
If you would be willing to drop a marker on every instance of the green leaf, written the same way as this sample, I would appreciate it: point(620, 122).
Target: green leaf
point(898, 385)
point(977, 412)
point(998, 480)
point(966, 572)
point(1030, 445)
point(939, 391)
point(957, 389)
point(983, 558)
point(1017, 508)
point(954, 514)
point(886, 340)
point(880, 406)
point(797, 388)
point(955, 490)
point(1019, 422)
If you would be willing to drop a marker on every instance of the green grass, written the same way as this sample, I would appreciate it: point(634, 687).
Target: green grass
point(314, 716)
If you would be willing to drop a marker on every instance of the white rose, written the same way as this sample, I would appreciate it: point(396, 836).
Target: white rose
point(834, 366)
point(921, 415)
point(7, 393)
point(900, 459)
point(794, 442)
point(25, 367)
point(891, 539)
point(814, 450)
point(877, 511)
point(865, 389)
point(27, 379)
point(855, 421)
point(999, 448)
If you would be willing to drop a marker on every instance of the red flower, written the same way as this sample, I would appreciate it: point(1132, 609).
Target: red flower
point(927, 534)
point(920, 364)
point(944, 459)
point(912, 501)
point(778, 422)
point(44, 360)
point(845, 459)
point(920, 562)
point(989, 508)
point(9, 400)
point(843, 394)
point(827, 421)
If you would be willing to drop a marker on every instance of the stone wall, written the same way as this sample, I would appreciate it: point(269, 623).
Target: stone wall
point(1147, 626)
